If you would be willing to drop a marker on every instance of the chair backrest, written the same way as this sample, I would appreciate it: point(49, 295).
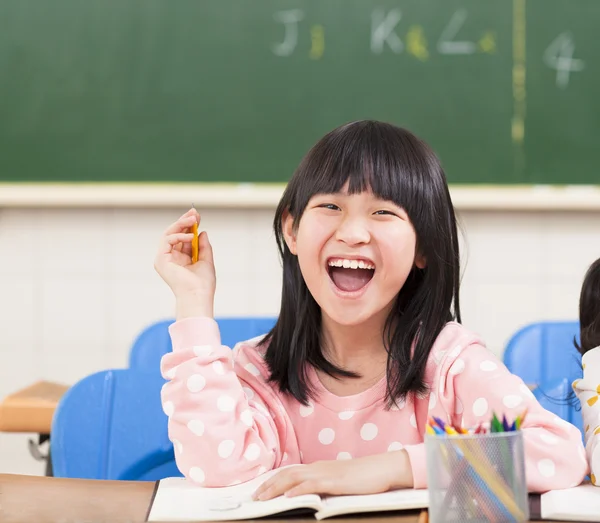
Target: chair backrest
point(543, 354)
point(110, 425)
point(154, 341)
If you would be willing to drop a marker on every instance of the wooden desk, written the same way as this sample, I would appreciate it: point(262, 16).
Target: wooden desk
point(54, 500)
point(31, 409)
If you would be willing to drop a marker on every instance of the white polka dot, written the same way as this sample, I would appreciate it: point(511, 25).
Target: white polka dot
point(432, 400)
point(246, 418)
point(196, 426)
point(457, 367)
point(458, 407)
point(546, 468)
point(178, 446)
point(526, 391)
point(326, 436)
point(285, 456)
point(251, 368)
point(248, 392)
point(307, 410)
point(480, 407)
point(455, 352)
point(262, 470)
point(163, 389)
point(218, 367)
point(413, 421)
point(395, 445)
point(225, 448)
point(399, 404)
point(347, 414)
point(252, 452)
point(369, 431)
point(262, 409)
point(203, 351)
point(439, 356)
point(549, 439)
point(488, 366)
point(196, 383)
point(168, 408)
point(512, 400)
point(344, 455)
point(197, 474)
point(171, 373)
point(226, 403)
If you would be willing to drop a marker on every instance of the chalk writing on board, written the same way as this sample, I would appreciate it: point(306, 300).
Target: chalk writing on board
point(447, 43)
point(416, 43)
point(317, 41)
point(290, 20)
point(559, 56)
point(383, 27)
point(385, 37)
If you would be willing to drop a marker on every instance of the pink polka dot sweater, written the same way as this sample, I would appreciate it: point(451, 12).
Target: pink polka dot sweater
point(228, 424)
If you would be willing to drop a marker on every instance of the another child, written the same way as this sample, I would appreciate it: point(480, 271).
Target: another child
point(588, 388)
point(368, 342)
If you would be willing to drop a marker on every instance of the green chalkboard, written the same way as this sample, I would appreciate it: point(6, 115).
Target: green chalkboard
point(506, 91)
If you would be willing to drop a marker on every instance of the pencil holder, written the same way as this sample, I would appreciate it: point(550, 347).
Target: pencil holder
point(476, 478)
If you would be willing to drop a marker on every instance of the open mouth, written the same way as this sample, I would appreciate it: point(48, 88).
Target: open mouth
point(350, 275)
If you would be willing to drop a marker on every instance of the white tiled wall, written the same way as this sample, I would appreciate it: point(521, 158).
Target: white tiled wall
point(76, 285)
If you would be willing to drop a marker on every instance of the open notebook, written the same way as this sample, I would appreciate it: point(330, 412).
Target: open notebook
point(178, 500)
point(573, 504)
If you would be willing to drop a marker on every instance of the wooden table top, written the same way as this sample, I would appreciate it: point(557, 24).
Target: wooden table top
point(31, 409)
point(54, 500)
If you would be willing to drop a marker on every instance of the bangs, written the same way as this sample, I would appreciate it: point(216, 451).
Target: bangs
point(389, 161)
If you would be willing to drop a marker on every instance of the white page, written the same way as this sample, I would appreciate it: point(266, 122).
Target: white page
point(580, 503)
point(180, 500)
point(404, 499)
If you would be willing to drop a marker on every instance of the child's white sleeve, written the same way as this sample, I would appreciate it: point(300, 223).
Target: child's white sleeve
point(588, 392)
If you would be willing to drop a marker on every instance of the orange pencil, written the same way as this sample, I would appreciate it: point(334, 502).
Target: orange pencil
point(195, 241)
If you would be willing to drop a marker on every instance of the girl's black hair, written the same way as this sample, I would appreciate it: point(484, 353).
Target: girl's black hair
point(589, 310)
point(398, 167)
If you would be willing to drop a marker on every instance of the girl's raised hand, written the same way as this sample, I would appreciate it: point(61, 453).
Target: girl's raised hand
point(193, 284)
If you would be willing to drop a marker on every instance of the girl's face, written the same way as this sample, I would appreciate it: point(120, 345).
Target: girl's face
point(355, 253)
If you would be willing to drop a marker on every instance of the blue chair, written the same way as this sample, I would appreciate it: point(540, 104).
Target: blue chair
point(154, 341)
point(543, 354)
point(110, 425)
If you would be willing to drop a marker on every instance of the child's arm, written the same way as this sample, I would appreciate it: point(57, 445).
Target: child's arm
point(226, 423)
point(473, 383)
point(588, 392)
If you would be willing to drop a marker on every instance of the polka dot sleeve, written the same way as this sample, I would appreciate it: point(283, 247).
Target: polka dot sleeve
point(226, 423)
point(588, 392)
point(473, 383)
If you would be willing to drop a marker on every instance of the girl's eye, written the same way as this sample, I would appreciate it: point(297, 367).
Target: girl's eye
point(390, 213)
point(330, 206)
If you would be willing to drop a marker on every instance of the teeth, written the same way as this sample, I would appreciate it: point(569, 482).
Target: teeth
point(351, 264)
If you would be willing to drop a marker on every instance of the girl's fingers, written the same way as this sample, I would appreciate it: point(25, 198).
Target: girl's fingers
point(205, 252)
point(184, 223)
point(171, 240)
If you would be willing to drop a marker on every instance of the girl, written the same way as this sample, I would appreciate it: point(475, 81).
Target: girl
point(368, 341)
point(588, 388)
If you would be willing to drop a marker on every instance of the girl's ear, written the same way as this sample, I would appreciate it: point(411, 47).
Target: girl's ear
point(420, 261)
point(287, 226)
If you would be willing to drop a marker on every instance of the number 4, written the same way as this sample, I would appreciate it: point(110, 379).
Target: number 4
point(559, 56)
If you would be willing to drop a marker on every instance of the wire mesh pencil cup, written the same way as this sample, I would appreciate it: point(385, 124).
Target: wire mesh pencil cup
point(477, 478)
